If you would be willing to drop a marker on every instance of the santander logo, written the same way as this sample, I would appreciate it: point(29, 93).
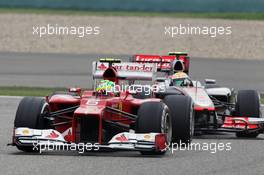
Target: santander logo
point(128, 67)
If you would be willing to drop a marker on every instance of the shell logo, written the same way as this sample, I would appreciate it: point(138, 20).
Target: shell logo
point(25, 131)
point(147, 137)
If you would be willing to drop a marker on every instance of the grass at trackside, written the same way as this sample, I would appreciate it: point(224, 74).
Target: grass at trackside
point(27, 91)
point(244, 16)
point(262, 98)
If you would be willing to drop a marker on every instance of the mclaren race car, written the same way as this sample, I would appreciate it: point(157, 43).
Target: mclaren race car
point(107, 118)
point(216, 108)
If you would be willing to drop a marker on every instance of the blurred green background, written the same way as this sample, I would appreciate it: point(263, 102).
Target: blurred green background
point(143, 5)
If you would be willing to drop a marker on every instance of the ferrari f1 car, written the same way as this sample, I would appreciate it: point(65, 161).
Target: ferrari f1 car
point(216, 108)
point(112, 120)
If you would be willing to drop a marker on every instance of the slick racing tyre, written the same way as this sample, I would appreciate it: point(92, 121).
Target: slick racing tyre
point(182, 116)
point(30, 114)
point(247, 105)
point(154, 117)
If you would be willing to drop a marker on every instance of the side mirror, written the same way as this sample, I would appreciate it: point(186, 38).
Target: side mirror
point(210, 81)
point(76, 90)
point(196, 83)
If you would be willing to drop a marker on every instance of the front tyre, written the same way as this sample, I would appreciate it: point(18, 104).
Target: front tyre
point(154, 117)
point(181, 108)
point(30, 115)
point(247, 105)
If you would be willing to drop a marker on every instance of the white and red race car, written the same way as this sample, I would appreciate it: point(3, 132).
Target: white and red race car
point(216, 108)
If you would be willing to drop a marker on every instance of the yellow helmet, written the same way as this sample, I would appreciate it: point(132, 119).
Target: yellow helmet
point(178, 78)
point(179, 75)
point(105, 86)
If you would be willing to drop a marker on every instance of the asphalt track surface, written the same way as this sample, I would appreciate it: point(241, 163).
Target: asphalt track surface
point(65, 70)
point(245, 157)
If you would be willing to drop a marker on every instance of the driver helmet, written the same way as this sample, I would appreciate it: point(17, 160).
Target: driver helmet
point(178, 78)
point(105, 87)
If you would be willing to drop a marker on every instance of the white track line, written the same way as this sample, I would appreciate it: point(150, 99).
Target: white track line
point(11, 97)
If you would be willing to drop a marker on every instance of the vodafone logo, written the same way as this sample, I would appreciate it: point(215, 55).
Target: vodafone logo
point(148, 59)
point(154, 58)
point(163, 62)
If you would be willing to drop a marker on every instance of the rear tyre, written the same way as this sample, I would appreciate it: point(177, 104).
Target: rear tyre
point(154, 117)
point(247, 105)
point(181, 109)
point(30, 114)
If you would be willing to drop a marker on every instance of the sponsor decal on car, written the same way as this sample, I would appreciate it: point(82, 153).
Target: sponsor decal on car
point(52, 135)
point(122, 138)
point(147, 137)
point(25, 132)
point(126, 67)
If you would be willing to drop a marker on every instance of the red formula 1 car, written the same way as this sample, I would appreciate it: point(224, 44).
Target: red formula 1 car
point(119, 120)
point(216, 108)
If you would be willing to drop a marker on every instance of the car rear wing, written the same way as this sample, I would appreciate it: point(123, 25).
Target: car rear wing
point(126, 70)
point(165, 63)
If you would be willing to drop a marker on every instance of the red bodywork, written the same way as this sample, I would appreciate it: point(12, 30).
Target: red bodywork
point(105, 118)
point(93, 106)
point(239, 123)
